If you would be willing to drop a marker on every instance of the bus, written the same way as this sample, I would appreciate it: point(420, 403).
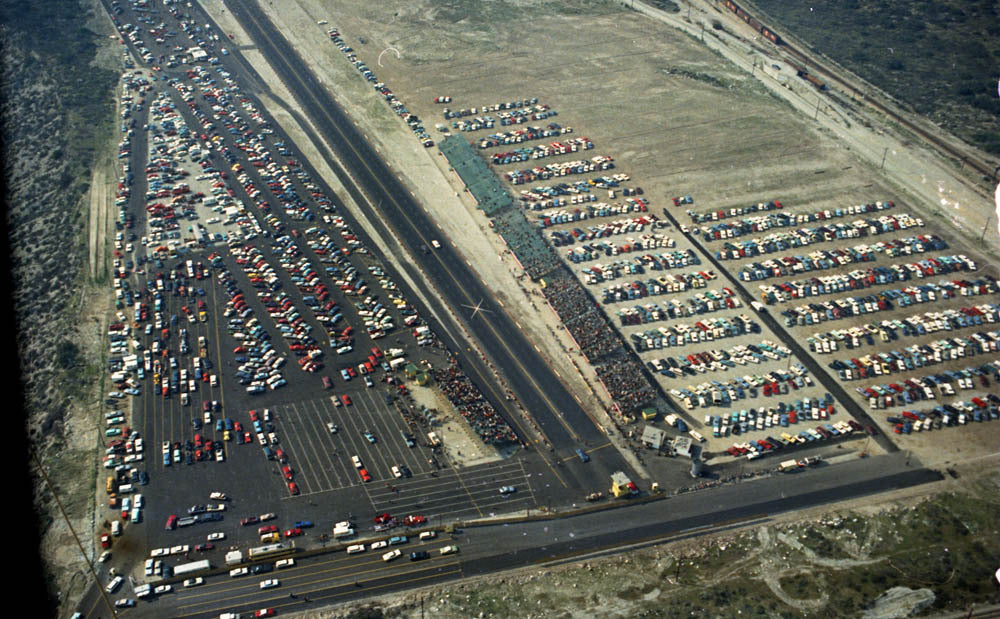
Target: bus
point(194, 566)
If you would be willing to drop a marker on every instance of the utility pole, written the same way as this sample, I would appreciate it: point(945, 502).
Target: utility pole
point(816, 114)
point(884, 153)
point(988, 219)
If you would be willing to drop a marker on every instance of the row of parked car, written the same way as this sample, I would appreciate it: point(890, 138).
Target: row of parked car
point(761, 447)
point(919, 388)
point(837, 309)
point(976, 410)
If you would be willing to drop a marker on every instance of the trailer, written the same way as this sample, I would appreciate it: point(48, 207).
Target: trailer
point(194, 566)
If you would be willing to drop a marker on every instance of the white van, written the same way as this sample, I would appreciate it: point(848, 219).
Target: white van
point(114, 584)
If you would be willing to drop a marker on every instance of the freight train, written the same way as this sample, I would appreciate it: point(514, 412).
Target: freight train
point(756, 25)
point(770, 35)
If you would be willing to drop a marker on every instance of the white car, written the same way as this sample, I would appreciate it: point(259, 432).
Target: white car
point(356, 548)
point(104, 556)
point(194, 582)
point(357, 462)
point(450, 549)
point(381, 544)
point(163, 589)
point(392, 554)
point(240, 571)
point(216, 536)
point(396, 472)
point(285, 563)
point(270, 583)
point(219, 496)
point(332, 427)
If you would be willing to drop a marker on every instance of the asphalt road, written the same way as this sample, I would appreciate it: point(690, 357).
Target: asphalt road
point(560, 417)
point(333, 578)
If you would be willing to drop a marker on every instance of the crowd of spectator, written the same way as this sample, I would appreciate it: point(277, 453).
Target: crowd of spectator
point(579, 313)
point(594, 335)
point(625, 381)
point(528, 246)
point(470, 403)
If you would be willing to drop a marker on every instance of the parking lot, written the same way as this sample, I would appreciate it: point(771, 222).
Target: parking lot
point(241, 326)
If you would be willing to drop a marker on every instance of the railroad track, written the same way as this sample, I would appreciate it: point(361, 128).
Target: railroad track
point(966, 156)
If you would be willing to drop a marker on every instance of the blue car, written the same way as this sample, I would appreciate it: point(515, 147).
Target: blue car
point(303, 524)
point(583, 456)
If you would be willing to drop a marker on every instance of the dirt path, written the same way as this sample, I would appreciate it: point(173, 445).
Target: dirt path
point(98, 221)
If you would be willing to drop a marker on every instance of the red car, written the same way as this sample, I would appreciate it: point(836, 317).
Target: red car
point(281, 456)
point(345, 399)
point(293, 532)
point(365, 475)
point(238, 426)
point(327, 383)
point(382, 518)
point(105, 541)
point(253, 415)
point(267, 528)
point(247, 438)
point(204, 547)
point(411, 521)
point(264, 612)
point(249, 520)
point(287, 472)
point(293, 487)
point(171, 522)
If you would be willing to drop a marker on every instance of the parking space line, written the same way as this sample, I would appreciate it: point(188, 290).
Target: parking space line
point(329, 439)
point(302, 436)
point(371, 410)
point(351, 432)
point(418, 451)
point(317, 439)
point(218, 351)
point(338, 460)
point(462, 483)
